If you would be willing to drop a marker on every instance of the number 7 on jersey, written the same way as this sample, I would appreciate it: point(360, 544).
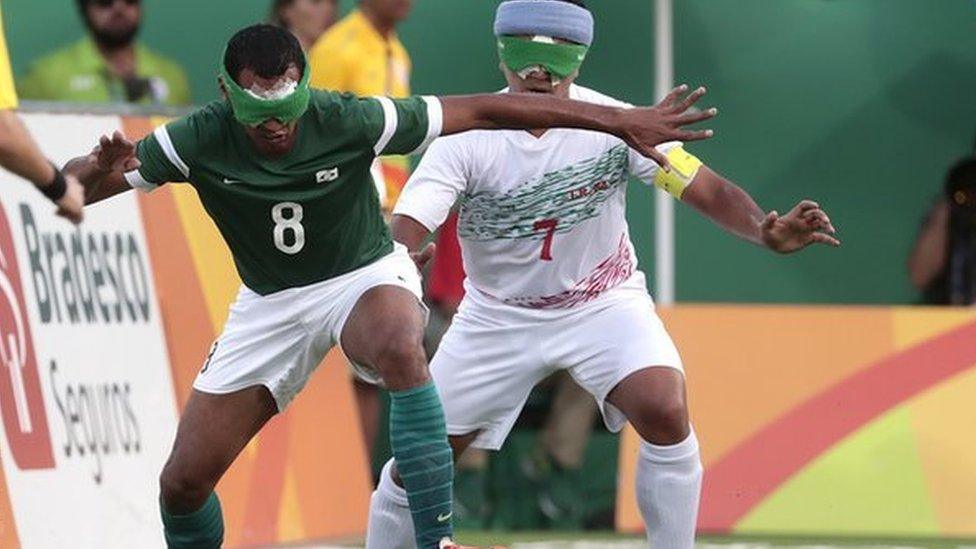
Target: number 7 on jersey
point(548, 225)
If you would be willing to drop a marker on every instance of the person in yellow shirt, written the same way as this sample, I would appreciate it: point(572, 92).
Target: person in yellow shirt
point(20, 155)
point(361, 54)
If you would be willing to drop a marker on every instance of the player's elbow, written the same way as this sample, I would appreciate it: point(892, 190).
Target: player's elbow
point(408, 231)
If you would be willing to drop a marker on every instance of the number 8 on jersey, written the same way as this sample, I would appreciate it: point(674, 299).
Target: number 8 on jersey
point(287, 216)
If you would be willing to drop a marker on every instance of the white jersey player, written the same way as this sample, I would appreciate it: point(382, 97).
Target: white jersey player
point(552, 277)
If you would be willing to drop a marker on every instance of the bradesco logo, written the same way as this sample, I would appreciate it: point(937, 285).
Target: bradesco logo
point(21, 401)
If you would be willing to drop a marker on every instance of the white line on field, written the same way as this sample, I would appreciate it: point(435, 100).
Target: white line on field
point(643, 545)
point(637, 544)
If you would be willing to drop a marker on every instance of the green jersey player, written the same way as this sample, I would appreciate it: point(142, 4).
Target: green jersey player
point(284, 173)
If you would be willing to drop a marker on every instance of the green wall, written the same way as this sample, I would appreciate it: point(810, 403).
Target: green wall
point(861, 104)
point(191, 31)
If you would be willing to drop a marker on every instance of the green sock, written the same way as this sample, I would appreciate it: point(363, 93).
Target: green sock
point(201, 529)
point(423, 459)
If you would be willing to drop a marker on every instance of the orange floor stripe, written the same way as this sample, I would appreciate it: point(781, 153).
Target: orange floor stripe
point(759, 464)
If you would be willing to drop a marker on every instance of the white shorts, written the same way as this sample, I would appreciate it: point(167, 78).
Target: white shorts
point(278, 340)
point(494, 354)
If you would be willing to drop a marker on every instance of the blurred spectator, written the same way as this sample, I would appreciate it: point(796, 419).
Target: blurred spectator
point(942, 264)
point(361, 54)
point(108, 64)
point(306, 19)
point(562, 446)
point(551, 472)
point(20, 155)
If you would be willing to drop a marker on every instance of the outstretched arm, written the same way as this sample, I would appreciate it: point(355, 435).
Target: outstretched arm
point(729, 206)
point(641, 128)
point(101, 171)
point(20, 154)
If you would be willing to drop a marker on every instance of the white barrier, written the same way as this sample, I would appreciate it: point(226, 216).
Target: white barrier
point(86, 392)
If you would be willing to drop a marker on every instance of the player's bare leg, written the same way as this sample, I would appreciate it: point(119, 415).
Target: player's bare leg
point(385, 331)
point(669, 470)
point(212, 432)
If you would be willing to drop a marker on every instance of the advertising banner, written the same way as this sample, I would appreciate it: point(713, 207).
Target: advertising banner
point(85, 384)
point(835, 421)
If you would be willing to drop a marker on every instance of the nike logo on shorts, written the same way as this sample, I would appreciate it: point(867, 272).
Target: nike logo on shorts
point(445, 518)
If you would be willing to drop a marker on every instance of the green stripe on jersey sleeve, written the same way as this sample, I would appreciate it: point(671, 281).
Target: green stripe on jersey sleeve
point(402, 126)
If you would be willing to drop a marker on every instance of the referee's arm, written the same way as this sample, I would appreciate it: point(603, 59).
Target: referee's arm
point(20, 154)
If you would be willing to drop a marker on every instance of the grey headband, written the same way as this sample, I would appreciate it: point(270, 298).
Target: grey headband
point(552, 18)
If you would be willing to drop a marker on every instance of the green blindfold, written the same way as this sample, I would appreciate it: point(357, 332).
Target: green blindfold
point(252, 110)
point(561, 60)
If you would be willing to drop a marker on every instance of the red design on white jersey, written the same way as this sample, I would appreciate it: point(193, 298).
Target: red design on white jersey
point(608, 274)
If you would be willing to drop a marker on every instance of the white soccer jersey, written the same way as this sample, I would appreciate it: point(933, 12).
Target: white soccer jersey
point(542, 220)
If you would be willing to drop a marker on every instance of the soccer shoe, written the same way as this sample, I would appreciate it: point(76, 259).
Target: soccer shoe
point(447, 543)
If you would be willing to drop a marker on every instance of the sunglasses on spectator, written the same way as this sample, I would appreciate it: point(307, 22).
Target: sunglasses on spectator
point(110, 3)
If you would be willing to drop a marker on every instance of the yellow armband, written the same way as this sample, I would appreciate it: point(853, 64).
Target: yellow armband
point(684, 167)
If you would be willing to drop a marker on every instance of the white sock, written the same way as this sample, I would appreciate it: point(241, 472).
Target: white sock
point(390, 523)
point(668, 489)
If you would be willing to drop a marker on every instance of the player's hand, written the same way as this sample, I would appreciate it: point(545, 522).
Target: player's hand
point(645, 128)
point(804, 225)
point(71, 205)
point(115, 153)
point(423, 257)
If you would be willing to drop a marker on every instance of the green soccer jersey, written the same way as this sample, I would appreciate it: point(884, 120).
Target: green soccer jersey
point(310, 215)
